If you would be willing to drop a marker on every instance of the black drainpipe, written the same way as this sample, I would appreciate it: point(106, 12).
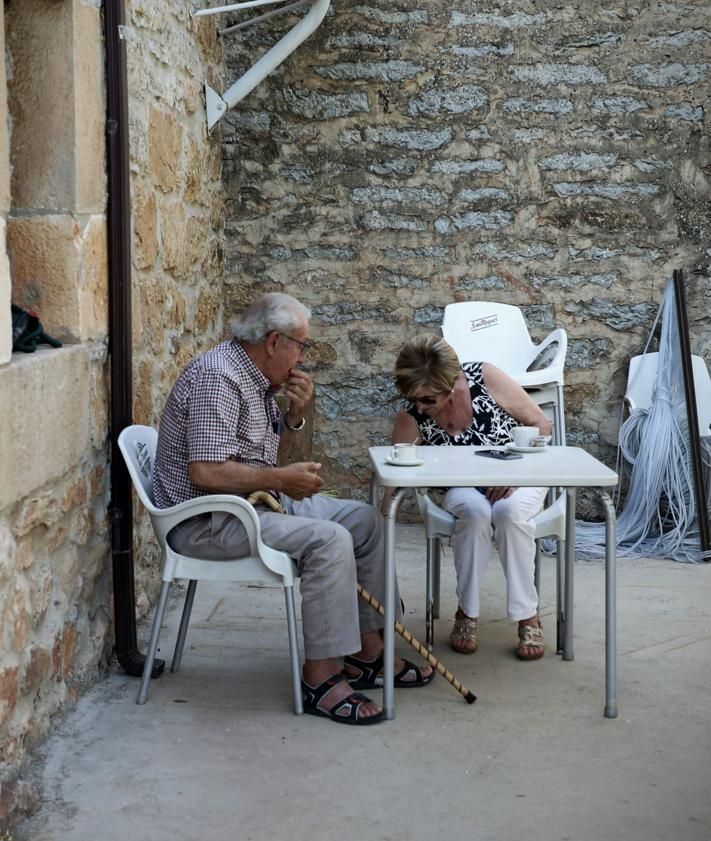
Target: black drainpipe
point(119, 248)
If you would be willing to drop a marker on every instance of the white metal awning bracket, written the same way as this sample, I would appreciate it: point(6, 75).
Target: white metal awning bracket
point(217, 105)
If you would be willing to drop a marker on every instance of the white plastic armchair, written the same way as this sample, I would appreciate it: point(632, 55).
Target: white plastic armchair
point(262, 563)
point(488, 331)
point(642, 379)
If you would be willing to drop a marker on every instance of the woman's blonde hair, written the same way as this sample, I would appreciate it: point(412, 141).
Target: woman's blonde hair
point(426, 362)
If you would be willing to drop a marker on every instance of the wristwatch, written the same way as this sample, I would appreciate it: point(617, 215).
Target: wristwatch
point(299, 426)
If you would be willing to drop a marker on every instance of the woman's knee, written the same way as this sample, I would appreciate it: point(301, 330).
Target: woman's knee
point(473, 507)
point(469, 524)
point(507, 515)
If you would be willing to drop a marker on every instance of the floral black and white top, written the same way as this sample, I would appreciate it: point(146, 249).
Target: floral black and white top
point(491, 425)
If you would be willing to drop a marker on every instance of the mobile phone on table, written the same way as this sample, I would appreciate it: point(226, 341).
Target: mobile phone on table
point(502, 455)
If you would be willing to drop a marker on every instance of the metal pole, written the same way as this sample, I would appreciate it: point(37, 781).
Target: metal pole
point(389, 628)
point(610, 606)
point(120, 350)
point(691, 413)
point(569, 572)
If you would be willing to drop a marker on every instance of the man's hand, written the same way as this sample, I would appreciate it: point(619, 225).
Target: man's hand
point(297, 480)
point(298, 389)
point(300, 480)
point(495, 494)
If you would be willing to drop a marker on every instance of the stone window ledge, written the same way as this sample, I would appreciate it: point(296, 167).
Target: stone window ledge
point(46, 420)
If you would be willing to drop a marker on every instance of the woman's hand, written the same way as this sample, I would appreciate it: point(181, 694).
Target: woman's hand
point(495, 494)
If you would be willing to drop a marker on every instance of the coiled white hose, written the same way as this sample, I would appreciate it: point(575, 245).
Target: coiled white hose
point(658, 518)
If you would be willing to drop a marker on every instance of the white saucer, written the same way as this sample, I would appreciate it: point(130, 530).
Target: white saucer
point(400, 463)
point(514, 449)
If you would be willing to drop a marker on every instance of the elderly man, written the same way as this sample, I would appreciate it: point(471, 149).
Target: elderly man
point(219, 434)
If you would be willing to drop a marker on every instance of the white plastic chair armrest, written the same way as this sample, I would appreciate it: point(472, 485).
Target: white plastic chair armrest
point(558, 361)
point(553, 372)
point(438, 522)
point(169, 518)
point(228, 503)
point(551, 521)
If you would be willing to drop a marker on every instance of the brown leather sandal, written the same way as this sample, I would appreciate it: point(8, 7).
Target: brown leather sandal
point(530, 637)
point(463, 636)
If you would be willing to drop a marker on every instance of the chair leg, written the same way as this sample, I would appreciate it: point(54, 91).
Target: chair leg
point(294, 650)
point(537, 571)
point(183, 630)
point(437, 560)
point(429, 571)
point(153, 644)
point(560, 418)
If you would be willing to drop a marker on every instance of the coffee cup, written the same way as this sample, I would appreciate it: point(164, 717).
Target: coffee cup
point(403, 452)
point(523, 435)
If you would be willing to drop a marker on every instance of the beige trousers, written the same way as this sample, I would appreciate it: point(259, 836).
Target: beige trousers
point(334, 542)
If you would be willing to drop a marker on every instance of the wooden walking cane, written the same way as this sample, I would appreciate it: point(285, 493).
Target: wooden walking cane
point(468, 696)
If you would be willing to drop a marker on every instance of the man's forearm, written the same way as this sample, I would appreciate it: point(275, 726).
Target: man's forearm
point(232, 477)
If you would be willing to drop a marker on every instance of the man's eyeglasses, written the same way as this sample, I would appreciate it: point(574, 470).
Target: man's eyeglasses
point(305, 346)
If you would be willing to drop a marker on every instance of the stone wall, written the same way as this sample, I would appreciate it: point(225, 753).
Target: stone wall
point(56, 634)
point(5, 329)
point(55, 611)
point(177, 215)
point(548, 155)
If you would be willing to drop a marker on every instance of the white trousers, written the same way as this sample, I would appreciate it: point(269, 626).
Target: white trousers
point(508, 524)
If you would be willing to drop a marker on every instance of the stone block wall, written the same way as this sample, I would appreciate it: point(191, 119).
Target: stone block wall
point(548, 155)
point(56, 634)
point(5, 334)
point(177, 215)
point(55, 600)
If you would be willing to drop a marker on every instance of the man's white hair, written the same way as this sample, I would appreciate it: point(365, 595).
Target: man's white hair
point(273, 311)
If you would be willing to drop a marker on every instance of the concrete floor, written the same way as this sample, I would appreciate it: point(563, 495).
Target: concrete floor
point(216, 753)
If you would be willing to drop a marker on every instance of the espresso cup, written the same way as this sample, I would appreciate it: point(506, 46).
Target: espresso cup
point(403, 452)
point(523, 435)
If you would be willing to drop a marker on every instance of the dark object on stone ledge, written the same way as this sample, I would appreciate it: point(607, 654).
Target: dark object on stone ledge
point(27, 331)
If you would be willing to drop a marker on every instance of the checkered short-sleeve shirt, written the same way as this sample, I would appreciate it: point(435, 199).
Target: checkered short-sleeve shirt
point(221, 407)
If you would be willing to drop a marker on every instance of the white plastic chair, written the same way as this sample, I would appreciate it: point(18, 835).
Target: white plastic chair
point(439, 524)
point(487, 331)
point(262, 563)
point(643, 376)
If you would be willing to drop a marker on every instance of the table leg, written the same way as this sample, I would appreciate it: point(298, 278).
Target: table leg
point(559, 589)
point(610, 606)
point(389, 627)
point(569, 566)
point(432, 543)
point(374, 488)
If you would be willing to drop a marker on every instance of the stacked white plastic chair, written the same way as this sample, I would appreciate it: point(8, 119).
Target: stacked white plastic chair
point(486, 331)
point(261, 563)
point(643, 376)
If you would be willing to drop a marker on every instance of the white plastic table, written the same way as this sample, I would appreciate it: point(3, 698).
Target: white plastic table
point(448, 467)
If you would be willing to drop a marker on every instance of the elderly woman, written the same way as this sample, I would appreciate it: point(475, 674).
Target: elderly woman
point(452, 404)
